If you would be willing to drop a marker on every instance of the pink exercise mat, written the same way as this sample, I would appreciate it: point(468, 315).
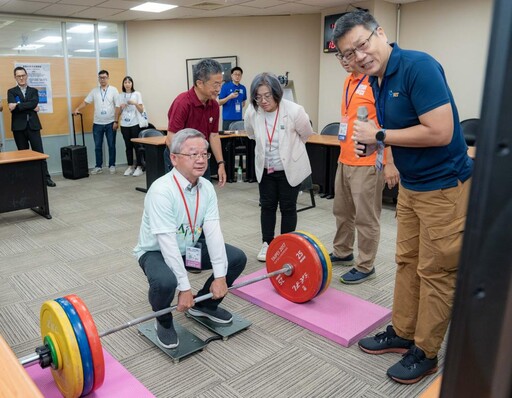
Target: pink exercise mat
point(336, 315)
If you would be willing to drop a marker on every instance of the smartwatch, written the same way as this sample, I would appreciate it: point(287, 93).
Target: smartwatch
point(380, 136)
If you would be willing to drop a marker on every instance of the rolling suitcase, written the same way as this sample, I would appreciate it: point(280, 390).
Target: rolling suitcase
point(74, 157)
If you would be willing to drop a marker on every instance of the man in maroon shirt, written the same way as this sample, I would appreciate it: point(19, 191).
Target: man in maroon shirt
point(198, 108)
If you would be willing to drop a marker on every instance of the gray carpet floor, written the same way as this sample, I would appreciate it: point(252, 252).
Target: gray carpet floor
point(86, 249)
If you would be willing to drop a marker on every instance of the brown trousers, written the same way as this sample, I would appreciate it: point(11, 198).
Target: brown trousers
point(357, 206)
point(429, 241)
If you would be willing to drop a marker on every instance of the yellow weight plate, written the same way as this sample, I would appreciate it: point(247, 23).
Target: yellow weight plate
point(70, 375)
point(327, 259)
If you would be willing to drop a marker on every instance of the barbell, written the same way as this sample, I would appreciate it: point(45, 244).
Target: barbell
point(298, 267)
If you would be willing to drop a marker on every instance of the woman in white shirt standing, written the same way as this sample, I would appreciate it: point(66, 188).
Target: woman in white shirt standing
point(131, 104)
point(280, 129)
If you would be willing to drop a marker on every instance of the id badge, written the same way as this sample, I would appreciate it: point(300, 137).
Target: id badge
point(270, 168)
point(342, 132)
point(193, 256)
point(238, 108)
point(103, 111)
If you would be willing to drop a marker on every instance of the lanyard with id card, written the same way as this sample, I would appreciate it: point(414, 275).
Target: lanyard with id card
point(342, 132)
point(270, 168)
point(192, 253)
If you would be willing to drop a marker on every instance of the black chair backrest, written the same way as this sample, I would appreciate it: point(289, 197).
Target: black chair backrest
point(150, 133)
point(238, 125)
point(470, 129)
point(331, 129)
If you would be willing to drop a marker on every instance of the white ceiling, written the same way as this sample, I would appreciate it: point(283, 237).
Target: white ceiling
point(119, 10)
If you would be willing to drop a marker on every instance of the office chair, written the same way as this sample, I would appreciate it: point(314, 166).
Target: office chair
point(307, 185)
point(470, 129)
point(149, 132)
point(331, 129)
point(240, 145)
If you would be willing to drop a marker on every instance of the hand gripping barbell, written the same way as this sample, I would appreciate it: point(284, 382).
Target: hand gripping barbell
point(298, 266)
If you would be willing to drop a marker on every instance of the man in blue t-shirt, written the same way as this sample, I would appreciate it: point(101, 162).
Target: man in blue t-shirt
point(419, 120)
point(232, 98)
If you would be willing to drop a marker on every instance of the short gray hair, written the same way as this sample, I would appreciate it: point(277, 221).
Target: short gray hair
point(204, 69)
point(350, 20)
point(181, 136)
point(271, 81)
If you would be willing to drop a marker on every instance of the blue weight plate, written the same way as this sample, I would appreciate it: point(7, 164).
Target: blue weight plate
point(83, 344)
point(325, 273)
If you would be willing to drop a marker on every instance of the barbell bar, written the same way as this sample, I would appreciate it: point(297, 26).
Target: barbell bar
point(296, 265)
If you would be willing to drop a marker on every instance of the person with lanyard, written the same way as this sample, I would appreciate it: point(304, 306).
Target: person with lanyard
point(180, 231)
point(358, 186)
point(130, 106)
point(232, 98)
point(419, 119)
point(280, 129)
point(198, 108)
point(23, 101)
point(106, 113)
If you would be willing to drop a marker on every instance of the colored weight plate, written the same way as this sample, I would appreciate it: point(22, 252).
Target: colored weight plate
point(305, 281)
point(70, 375)
point(54, 351)
point(98, 360)
point(321, 257)
point(83, 344)
point(327, 259)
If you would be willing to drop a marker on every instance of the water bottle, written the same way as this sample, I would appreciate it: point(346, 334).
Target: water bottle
point(239, 177)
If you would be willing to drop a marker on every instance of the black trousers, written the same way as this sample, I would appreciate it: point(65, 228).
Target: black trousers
point(30, 139)
point(275, 190)
point(129, 133)
point(163, 282)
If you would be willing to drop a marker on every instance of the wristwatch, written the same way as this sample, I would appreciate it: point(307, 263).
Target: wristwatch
point(221, 162)
point(380, 136)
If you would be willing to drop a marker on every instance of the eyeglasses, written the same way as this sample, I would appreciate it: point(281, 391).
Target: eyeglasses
point(266, 97)
point(349, 55)
point(20, 76)
point(196, 156)
point(103, 77)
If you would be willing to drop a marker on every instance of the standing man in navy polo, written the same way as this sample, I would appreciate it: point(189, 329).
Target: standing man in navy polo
point(419, 120)
point(232, 98)
point(198, 109)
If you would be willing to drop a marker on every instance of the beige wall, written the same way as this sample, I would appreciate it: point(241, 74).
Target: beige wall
point(456, 32)
point(157, 52)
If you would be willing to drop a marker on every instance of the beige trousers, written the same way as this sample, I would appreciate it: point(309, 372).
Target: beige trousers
point(357, 206)
point(429, 241)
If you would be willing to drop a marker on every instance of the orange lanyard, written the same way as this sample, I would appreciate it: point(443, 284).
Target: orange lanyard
point(271, 137)
point(192, 226)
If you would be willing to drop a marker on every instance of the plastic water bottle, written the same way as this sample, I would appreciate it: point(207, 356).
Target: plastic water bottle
point(239, 177)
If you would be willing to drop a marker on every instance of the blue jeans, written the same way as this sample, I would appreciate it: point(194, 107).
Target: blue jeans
point(163, 282)
point(98, 130)
point(275, 190)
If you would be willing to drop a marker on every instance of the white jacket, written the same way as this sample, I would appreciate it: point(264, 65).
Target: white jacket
point(292, 137)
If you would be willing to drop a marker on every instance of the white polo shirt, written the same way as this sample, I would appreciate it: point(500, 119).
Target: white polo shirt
point(105, 103)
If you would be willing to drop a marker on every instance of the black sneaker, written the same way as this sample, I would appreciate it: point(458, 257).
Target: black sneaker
point(219, 315)
point(347, 261)
point(385, 342)
point(413, 367)
point(167, 337)
point(50, 183)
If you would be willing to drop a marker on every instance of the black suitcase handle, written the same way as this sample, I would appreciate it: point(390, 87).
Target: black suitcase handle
point(82, 126)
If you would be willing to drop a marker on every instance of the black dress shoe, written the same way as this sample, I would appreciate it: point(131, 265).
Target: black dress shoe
point(50, 182)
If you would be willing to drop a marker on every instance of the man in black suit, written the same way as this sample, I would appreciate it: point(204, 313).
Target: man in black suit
point(25, 124)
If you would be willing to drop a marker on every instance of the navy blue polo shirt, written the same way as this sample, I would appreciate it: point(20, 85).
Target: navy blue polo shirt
point(414, 83)
point(229, 109)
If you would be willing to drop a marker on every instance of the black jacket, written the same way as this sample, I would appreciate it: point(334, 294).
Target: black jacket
point(24, 113)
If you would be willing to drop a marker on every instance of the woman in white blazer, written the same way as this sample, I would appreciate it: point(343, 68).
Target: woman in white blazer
point(280, 129)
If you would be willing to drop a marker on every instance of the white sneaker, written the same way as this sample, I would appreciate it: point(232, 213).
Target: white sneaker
point(112, 169)
point(129, 171)
point(262, 255)
point(138, 172)
point(97, 170)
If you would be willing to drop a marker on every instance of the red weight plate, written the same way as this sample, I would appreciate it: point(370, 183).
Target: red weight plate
point(93, 339)
point(306, 279)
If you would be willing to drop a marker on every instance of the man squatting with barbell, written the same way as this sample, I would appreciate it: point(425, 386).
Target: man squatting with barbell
point(180, 231)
